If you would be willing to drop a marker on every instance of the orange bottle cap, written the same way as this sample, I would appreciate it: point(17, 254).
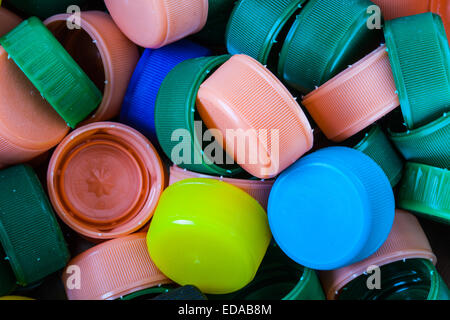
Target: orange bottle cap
point(103, 52)
point(29, 126)
point(155, 23)
point(244, 96)
point(406, 240)
point(442, 8)
point(105, 180)
point(355, 98)
point(111, 270)
point(258, 189)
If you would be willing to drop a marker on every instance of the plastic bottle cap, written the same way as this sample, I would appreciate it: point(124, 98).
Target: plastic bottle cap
point(428, 144)
point(103, 52)
point(392, 9)
point(156, 23)
point(8, 21)
point(52, 70)
point(405, 241)
point(332, 208)
point(420, 60)
point(258, 189)
point(376, 145)
point(426, 190)
point(44, 8)
point(257, 39)
point(355, 98)
point(244, 100)
point(29, 233)
point(219, 12)
point(176, 113)
point(113, 269)
point(182, 293)
point(138, 109)
point(17, 298)
point(327, 36)
point(412, 279)
point(209, 234)
point(105, 180)
point(28, 124)
point(147, 294)
point(7, 278)
point(279, 278)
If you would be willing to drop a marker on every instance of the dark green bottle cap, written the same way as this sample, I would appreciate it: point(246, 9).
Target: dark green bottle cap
point(44, 8)
point(7, 278)
point(255, 24)
point(279, 278)
point(147, 294)
point(183, 293)
point(420, 60)
point(327, 36)
point(411, 279)
point(428, 144)
point(213, 33)
point(425, 190)
point(175, 111)
point(376, 145)
point(52, 70)
point(29, 232)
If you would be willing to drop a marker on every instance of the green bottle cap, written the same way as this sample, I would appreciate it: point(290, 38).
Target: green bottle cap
point(425, 190)
point(411, 279)
point(428, 144)
point(255, 24)
point(29, 233)
point(147, 294)
point(175, 111)
point(44, 8)
point(327, 36)
point(376, 145)
point(7, 278)
point(52, 70)
point(420, 60)
point(279, 278)
point(213, 33)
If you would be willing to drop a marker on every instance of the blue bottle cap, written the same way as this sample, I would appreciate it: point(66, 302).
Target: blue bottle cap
point(331, 208)
point(139, 102)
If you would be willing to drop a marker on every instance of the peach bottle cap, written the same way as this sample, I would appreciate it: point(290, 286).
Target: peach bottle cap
point(29, 126)
point(258, 189)
point(243, 95)
point(355, 98)
point(8, 21)
point(105, 180)
point(104, 53)
point(155, 23)
point(407, 240)
point(112, 269)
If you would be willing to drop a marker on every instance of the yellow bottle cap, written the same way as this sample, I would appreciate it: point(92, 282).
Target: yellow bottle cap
point(209, 234)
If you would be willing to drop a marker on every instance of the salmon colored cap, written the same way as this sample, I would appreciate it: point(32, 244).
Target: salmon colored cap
point(112, 269)
point(105, 180)
point(392, 9)
point(355, 98)
point(406, 240)
point(29, 126)
point(8, 21)
point(258, 189)
point(103, 52)
point(156, 23)
point(442, 8)
point(245, 97)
